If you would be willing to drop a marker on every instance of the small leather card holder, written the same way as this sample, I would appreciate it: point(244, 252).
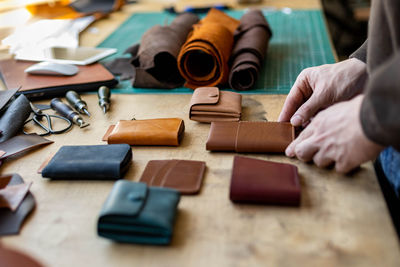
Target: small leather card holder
point(264, 182)
point(186, 176)
point(157, 132)
point(210, 104)
point(99, 162)
point(250, 136)
point(137, 213)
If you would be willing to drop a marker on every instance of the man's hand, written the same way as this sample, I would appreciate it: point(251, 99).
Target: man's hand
point(335, 136)
point(319, 87)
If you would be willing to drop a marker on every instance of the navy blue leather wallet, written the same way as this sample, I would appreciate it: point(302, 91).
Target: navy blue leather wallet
point(99, 162)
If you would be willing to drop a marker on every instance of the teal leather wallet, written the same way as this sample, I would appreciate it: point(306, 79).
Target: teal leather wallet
point(136, 213)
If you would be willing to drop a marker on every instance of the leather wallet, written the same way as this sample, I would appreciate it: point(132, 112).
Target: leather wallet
point(264, 182)
point(210, 104)
point(101, 162)
point(157, 132)
point(250, 136)
point(136, 213)
point(89, 77)
point(186, 176)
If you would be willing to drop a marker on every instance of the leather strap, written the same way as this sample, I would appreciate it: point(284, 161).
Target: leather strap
point(21, 143)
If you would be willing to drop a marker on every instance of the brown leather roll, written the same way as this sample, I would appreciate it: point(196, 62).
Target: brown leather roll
point(251, 43)
point(203, 59)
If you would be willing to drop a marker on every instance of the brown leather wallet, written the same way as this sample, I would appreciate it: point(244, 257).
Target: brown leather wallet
point(250, 136)
point(186, 176)
point(157, 132)
point(264, 182)
point(210, 104)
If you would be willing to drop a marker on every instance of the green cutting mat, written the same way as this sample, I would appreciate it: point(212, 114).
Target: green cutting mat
point(299, 41)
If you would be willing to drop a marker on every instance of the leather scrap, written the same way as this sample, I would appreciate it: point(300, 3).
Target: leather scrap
point(13, 258)
point(21, 143)
point(11, 222)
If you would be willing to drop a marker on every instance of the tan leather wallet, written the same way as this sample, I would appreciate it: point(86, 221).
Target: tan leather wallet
point(210, 104)
point(157, 132)
point(250, 136)
point(186, 176)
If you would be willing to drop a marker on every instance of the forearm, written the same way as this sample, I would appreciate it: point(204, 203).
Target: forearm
point(380, 110)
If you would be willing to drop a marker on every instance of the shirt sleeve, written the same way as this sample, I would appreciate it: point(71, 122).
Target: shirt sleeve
point(380, 110)
point(361, 52)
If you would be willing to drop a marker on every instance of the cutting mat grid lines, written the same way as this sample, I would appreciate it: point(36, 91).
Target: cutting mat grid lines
point(299, 40)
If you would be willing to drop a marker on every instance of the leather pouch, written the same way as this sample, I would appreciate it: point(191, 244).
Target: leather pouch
point(186, 176)
point(250, 136)
point(210, 104)
point(264, 182)
point(158, 132)
point(136, 213)
point(101, 162)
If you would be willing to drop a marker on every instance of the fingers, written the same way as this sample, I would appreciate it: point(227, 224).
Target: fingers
point(306, 111)
point(291, 149)
point(322, 159)
point(299, 93)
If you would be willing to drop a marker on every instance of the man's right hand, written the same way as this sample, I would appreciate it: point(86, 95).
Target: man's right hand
point(319, 87)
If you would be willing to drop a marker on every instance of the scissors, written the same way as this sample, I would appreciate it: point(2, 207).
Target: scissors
point(38, 116)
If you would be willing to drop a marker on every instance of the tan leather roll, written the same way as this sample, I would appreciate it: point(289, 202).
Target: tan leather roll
point(203, 59)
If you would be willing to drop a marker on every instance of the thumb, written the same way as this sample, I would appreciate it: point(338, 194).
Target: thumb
point(307, 110)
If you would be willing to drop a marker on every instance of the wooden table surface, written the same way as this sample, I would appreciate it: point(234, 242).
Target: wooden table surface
point(342, 220)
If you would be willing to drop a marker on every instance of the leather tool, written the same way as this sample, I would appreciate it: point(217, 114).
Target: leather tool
point(66, 111)
point(76, 101)
point(104, 95)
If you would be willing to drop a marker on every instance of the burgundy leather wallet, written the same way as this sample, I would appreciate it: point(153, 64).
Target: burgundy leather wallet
point(210, 104)
point(250, 136)
point(186, 176)
point(264, 182)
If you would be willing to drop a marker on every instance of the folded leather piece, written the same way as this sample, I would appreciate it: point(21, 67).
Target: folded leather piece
point(89, 77)
point(264, 182)
point(186, 176)
point(12, 258)
point(11, 221)
point(153, 132)
point(203, 59)
point(250, 136)
point(99, 162)
point(251, 44)
point(22, 143)
point(5, 97)
point(210, 104)
point(12, 196)
point(136, 213)
point(13, 118)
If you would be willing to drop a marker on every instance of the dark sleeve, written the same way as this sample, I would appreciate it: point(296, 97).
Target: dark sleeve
point(380, 110)
point(361, 52)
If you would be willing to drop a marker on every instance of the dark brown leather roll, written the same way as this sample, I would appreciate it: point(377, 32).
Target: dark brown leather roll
point(251, 43)
point(155, 63)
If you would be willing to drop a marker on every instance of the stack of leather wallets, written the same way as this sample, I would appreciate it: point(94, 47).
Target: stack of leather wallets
point(215, 51)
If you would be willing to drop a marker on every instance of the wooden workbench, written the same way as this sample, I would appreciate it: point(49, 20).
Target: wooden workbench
point(342, 220)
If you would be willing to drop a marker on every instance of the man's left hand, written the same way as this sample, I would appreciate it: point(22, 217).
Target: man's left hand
point(335, 136)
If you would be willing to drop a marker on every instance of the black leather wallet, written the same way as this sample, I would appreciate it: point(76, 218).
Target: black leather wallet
point(100, 162)
point(136, 213)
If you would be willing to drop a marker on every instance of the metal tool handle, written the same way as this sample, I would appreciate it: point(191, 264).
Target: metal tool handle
point(63, 109)
point(104, 95)
point(76, 101)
